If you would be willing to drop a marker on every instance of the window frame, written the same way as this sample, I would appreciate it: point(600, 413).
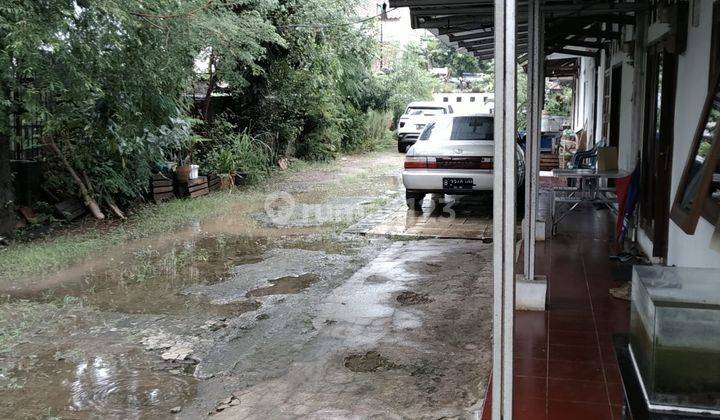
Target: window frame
point(687, 220)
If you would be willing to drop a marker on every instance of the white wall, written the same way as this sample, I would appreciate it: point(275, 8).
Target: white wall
point(685, 250)
point(629, 145)
point(585, 98)
point(600, 97)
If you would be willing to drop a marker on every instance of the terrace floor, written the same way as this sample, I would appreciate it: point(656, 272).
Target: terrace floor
point(565, 367)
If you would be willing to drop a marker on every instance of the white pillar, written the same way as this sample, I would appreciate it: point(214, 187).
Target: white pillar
point(600, 97)
point(504, 209)
point(532, 147)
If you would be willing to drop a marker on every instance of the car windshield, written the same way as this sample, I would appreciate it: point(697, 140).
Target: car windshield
point(460, 128)
point(425, 111)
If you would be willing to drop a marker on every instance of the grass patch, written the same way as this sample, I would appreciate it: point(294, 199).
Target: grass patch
point(23, 259)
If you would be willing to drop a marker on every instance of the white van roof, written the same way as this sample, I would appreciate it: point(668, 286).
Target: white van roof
point(426, 104)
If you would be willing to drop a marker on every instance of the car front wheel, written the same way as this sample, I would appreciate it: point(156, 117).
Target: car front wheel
point(414, 200)
point(402, 148)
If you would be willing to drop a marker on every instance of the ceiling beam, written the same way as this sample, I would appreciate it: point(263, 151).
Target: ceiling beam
point(431, 3)
point(595, 8)
point(486, 34)
point(462, 28)
point(475, 35)
point(488, 41)
point(521, 47)
point(447, 21)
point(449, 11)
point(581, 53)
point(584, 33)
point(601, 18)
point(581, 43)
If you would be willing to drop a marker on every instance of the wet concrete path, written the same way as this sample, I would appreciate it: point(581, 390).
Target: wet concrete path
point(271, 311)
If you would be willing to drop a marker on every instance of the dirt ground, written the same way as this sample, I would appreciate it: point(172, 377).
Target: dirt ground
point(273, 310)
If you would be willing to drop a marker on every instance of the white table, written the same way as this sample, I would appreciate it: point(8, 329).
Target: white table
point(587, 189)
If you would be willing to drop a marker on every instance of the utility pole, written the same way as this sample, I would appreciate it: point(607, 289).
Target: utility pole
point(382, 8)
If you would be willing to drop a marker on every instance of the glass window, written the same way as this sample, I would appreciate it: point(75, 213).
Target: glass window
point(715, 186)
point(460, 129)
point(699, 190)
point(425, 111)
point(696, 170)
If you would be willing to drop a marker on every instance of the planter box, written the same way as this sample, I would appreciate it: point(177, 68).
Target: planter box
point(193, 188)
point(163, 188)
point(213, 182)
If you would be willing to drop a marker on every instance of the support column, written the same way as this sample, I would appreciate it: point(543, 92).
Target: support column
point(532, 148)
point(504, 209)
point(600, 97)
point(531, 289)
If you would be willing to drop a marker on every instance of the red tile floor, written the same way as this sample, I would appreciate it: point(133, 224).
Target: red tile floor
point(565, 367)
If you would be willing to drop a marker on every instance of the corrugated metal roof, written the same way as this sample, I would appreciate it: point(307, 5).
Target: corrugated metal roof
point(575, 27)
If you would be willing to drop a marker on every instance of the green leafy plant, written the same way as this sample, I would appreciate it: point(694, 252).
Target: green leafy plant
point(110, 79)
point(230, 150)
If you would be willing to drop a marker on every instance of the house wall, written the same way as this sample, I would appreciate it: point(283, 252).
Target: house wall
point(628, 144)
point(692, 83)
point(693, 67)
point(586, 97)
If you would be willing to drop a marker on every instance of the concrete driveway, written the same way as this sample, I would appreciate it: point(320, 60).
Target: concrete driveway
point(321, 298)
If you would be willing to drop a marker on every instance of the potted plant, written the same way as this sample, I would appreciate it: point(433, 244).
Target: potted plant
point(224, 162)
point(186, 170)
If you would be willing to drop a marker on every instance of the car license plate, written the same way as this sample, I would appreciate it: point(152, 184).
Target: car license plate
point(458, 183)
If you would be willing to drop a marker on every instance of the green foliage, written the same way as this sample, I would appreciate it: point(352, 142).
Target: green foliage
point(559, 103)
point(410, 81)
point(313, 88)
point(377, 129)
point(231, 150)
point(440, 55)
point(110, 77)
point(704, 149)
point(522, 99)
point(372, 131)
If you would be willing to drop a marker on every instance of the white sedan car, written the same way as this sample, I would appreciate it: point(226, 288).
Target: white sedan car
point(454, 155)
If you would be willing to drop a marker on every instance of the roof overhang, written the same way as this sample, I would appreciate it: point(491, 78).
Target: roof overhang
point(579, 28)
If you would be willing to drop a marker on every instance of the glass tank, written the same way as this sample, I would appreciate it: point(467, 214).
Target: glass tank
point(675, 335)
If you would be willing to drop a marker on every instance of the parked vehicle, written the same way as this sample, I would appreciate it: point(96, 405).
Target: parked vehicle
point(454, 155)
point(417, 115)
point(468, 102)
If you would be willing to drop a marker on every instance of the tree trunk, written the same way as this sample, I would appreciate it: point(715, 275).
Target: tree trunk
point(7, 205)
point(210, 88)
point(90, 202)
point(115, 209)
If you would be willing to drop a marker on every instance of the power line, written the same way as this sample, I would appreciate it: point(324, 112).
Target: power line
point(322, 26)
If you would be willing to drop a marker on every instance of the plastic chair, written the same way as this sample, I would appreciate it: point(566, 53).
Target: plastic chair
point(587, 159)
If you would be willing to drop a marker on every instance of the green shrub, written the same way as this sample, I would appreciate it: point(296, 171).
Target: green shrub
point(229, 150)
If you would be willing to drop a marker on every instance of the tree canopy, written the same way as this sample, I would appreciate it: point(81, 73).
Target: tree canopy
point(117, 83)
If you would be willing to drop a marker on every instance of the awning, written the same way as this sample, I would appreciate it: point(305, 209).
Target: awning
point(573, 27)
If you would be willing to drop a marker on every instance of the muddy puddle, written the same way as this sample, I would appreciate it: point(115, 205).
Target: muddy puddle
point(151, 281)
point(412, 298)
point(101, 385)
point(371, 361)
point(288, 285)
